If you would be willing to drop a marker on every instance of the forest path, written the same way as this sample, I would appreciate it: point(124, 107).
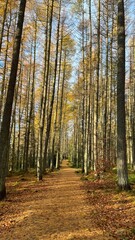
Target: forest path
point(56, 209)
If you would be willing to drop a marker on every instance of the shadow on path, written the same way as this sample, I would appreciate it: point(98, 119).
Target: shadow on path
point(60, 212)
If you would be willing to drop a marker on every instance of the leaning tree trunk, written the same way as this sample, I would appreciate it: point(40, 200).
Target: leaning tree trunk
point(121, 123)
point(5, 127)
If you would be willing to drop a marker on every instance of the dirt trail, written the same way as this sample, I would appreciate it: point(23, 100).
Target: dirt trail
point(59, 211)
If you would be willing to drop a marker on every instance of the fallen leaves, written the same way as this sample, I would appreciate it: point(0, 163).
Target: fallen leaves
point(102, 208)
point(113, 212)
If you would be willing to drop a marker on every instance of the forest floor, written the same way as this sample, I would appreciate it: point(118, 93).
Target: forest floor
point(64, 207)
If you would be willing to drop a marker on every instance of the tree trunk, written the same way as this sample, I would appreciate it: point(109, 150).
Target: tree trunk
point(49, 119)
point(5, 127)
point(121, 123)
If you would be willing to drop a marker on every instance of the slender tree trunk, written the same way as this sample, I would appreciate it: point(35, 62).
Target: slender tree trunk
point(41, 164)
point(30, 118)
point(52, 97)
point(4, 74)
point(56, 117)
point(27, 118)
point(47, 45)
point(133, 108)
point(111, 81)
point(96, 98)
point(90, 88)
point(19, 124)
point(13, 125)
point(60, 115)
point(106, 93)
point(83, 94)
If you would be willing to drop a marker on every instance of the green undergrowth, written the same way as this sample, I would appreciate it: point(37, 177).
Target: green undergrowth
point(20, 172)
point(132, 177)
point(133, 230)
point(30, 171)
point(16, 177)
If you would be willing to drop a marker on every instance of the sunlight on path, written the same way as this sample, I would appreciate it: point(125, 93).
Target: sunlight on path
point(62, 213)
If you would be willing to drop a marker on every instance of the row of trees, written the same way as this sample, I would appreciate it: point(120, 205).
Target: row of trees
point(34, 86)
point(100, 138)
point(42, 117)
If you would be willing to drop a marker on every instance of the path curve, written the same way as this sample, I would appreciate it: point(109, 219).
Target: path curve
point(62, 214)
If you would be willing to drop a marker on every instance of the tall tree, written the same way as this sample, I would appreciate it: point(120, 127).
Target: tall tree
point(121, 123)
point(54, 86)
point(5, 127)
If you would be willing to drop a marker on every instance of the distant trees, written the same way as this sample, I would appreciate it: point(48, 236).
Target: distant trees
point(130, 106)
point(101, 76)
point(97, 76)
point(35, 130)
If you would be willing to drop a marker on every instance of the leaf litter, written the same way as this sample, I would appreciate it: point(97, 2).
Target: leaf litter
point(63, 207)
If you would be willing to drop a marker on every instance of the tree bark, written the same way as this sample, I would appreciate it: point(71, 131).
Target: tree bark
point(122, 170)
point(5, 127)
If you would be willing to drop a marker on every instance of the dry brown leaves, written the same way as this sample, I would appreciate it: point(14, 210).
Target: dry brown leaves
point(67, 209)
point(113, 212)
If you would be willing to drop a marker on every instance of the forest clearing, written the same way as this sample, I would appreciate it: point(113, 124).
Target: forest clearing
point(65, 207)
